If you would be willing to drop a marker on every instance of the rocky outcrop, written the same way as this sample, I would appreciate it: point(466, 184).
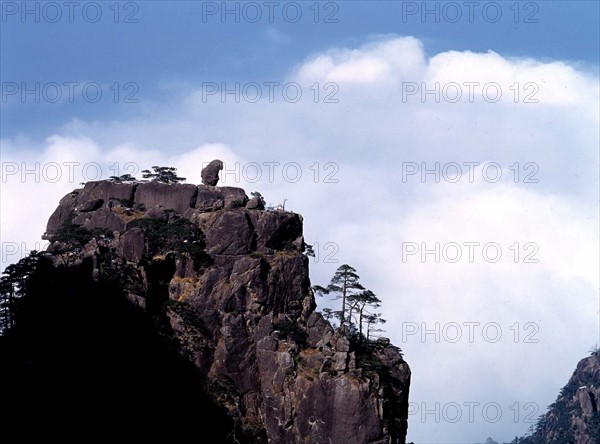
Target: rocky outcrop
point(210, 173)
point(255, 204)
point(177, 197)
point(575, 415)
point(91, 206)
point(230, 283)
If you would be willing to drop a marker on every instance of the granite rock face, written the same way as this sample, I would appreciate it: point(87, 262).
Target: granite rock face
point(575, 415)
point(178, 197)
point(231, 285)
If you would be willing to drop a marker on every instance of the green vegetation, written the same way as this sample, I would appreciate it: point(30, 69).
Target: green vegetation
point(287, 329)
point(359, 303)
point(259, 197)
point(344, 284)
point(124, 178)
point(356, 315)
point(13, 286)
point(162, 174)
point(594, 427)
point(158, 174)
point(558, 420)
point(73, 234)
point(366, 353)
point(358, 321)
point(177, 235)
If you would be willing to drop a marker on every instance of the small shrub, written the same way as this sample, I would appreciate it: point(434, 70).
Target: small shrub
point(290, 330)
point(76, 234)
point(259, 197)
point(178, 235)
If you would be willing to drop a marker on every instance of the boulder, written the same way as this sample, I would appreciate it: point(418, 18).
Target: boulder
point(90, 205)
point(132, 245)
point(234, 197)
point(156, 212)
point(277, 230)
point(81, 218)
point(228, 233)
point(255, 204)
point(209, 198)
point(210, 173)
point(177, 196)
point(107, 191)
point(104, 219)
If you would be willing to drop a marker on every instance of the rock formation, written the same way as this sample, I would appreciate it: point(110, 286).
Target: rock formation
point(229, 287)
point(210, 173)
point(575, 415)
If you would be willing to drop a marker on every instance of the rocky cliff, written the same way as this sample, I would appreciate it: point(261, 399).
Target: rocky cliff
point(574, 418)
point(226, 283)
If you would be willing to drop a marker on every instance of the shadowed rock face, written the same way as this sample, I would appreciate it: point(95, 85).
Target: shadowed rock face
point(83, 360)
point(241, 309)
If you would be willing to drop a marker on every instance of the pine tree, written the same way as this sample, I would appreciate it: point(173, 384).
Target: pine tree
point(6, 303)
point(162, 174)
point(372, 320)
point(13, 286)
point(123, 178)
point(360, 302)
point(344, 284)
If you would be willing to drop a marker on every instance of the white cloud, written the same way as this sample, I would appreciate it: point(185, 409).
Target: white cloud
point(373, 63)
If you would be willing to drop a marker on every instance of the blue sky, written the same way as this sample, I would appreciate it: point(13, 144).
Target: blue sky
point(370, 202)
point(170, 43)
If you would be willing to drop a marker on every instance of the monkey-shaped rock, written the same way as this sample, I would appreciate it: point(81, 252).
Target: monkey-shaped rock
point(210, 173)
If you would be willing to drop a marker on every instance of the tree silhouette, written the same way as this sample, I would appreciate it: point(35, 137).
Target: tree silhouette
point(372, 320)
point(357, 314)
point(328, 314)
point(6, 303)
point(344, 284)
point(360, 302)
point(13, 286)
point(123, 178)
point(162, 174)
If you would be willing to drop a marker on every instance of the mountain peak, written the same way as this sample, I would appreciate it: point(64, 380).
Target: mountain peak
point(575, 415)
point(227, 284)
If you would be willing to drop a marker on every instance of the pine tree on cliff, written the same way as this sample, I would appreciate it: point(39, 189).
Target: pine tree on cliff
point(372, 320)
point(361, 302)
point(7, 298)
point(344, 284)
point(163, 174)
point(13, 286)
point(124, 178)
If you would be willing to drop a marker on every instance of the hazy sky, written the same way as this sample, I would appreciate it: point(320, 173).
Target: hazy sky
point(446, 150)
